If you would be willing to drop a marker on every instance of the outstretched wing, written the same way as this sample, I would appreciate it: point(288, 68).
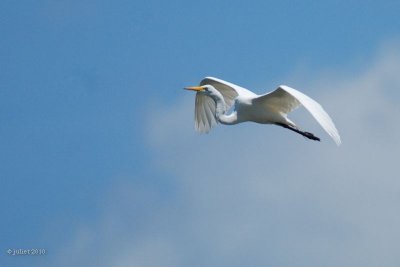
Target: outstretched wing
point(204, 113)
point(285, 99)
point(205, 105)
point(228, 90)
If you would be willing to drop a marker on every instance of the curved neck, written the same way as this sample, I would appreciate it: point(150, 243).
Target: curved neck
point(220, 112)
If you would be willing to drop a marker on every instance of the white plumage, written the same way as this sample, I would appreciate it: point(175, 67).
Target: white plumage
point(215, 97)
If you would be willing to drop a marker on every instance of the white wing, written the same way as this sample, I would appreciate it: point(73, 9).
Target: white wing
point(205, 105)
point(228, 90)
point(204, 114)
point(285, 99)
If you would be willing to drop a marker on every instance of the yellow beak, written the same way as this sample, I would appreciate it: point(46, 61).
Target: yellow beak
point(194, 88)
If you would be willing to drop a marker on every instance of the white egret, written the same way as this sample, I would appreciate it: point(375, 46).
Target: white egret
point(215, 98)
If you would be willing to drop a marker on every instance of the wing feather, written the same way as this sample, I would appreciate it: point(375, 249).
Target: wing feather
point(285, 99)
point(205, 106)
point(228, 90)
point(204, 113)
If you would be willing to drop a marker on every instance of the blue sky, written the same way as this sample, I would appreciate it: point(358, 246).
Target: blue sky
point(100, 164)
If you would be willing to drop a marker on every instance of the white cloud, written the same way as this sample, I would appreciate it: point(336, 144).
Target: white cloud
point(256, 195)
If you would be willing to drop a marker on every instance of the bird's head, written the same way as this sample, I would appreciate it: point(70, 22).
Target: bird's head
point(206, 89)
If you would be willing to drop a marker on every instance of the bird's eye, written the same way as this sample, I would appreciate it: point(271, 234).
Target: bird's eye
point(205, 88)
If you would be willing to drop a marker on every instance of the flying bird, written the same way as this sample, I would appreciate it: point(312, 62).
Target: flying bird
point(219, 101)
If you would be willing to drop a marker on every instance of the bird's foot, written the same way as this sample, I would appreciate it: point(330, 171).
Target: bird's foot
point(311, 136)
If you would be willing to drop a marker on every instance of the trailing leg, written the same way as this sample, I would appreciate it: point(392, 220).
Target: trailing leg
point(295, 129)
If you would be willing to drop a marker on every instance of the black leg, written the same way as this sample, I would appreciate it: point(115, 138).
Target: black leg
point(294, 129)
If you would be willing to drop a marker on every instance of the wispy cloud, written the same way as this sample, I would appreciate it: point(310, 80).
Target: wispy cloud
point(262, 196)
